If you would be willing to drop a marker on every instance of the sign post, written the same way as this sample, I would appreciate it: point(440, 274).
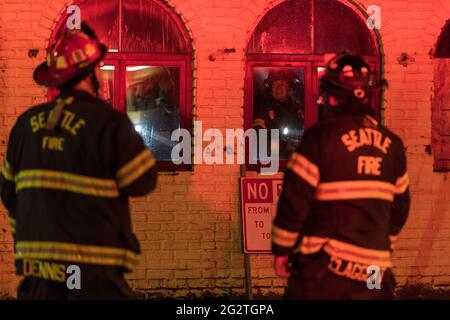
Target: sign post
point(259, 198)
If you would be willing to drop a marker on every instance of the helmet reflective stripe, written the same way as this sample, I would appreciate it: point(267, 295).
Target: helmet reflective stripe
point(348, 71)
point(78, 56)
point(61, 62)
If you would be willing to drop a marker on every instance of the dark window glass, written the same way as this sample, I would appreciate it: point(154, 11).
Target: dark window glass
point(339, 28)
point(155, 97)
point(103, 17)
point(443, 46)
point(285, 29)
point(149, 28)
point(146, 26)
point(108, 81)
point(294, 36)
point(152, 103)
point(279, 103)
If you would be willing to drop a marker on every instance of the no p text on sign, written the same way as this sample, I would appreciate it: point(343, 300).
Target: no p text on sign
point(259, 198)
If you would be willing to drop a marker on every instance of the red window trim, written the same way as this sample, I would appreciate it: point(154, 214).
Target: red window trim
point(184, 59)
point(441, 161)
point(120, 61)
point(185, 92)
point(248, 97)
point(315, 60)
point(311, 63)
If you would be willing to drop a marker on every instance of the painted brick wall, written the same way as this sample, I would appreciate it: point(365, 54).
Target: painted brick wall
point(189, 227)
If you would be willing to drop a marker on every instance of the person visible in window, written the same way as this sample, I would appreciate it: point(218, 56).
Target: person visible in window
point(281, 111)
point(70, 167)
point(345, 196)
point(152, 97)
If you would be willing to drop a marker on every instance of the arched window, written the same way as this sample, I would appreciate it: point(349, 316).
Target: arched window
point(443, 45)
point(147, 69)
point(441, 102)
point(290, 42)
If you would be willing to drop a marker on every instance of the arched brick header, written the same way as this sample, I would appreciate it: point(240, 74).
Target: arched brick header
point(359, 9)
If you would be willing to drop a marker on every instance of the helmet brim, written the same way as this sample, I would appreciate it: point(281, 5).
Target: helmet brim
point(43, 77)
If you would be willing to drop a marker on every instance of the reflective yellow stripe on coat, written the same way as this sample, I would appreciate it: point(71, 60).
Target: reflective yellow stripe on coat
point(59, 180)
point(402, 184)
point(12, 224)
point(7, 172)
point(305, 169)
point(69, 252)
point(345, 251)
point(358, 189)
point(134, 169)
point(284, 238)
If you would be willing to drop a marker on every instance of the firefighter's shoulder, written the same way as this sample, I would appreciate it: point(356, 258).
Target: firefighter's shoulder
point(115, 122)
point(396, 140)
point(101, 112)
point(119, 117)
point(25, 117)
point(319, 128)
point(34, 109)
point(94, 107)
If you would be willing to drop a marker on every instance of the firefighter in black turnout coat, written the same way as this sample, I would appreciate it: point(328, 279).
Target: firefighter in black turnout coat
point(70, 167)
point(345, 195)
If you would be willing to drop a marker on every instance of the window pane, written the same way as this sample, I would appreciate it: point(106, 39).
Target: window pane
point(103, 17)
point(153, 105)
point(339, 28)
point(443, 47)
point(149, 28)
point(285, 29)
point(320, 73)
point(108, 80)
point(279, 103)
